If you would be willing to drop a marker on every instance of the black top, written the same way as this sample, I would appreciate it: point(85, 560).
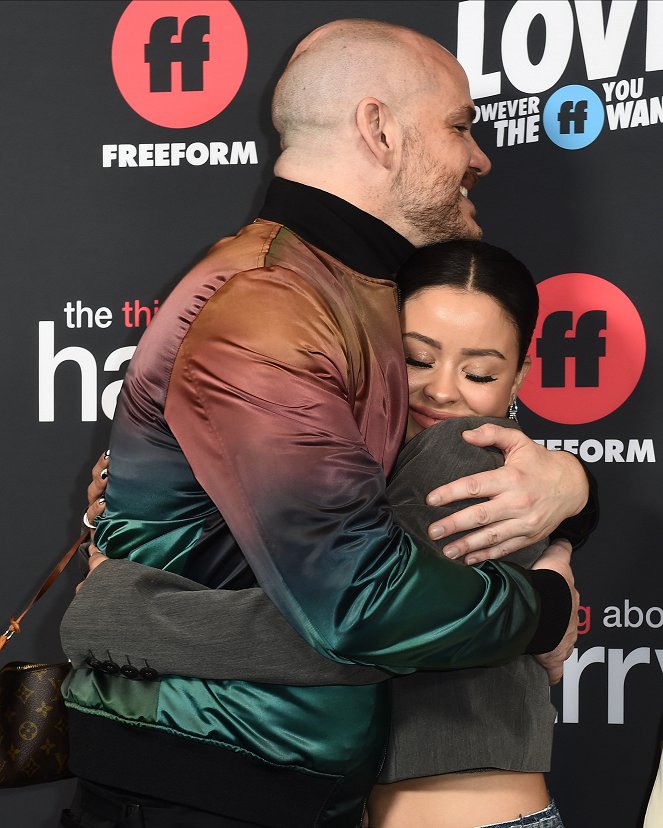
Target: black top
point(359, 240)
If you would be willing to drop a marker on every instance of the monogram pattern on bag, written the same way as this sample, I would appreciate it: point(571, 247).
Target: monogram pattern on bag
point(34, 745)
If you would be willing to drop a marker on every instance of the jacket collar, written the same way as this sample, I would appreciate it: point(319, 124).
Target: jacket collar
point(357, 239)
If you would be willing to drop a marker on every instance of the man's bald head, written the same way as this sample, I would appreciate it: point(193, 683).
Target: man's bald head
point(345, 61)
point(381, 116)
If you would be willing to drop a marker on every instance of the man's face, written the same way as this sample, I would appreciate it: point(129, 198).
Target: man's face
point(440, 162)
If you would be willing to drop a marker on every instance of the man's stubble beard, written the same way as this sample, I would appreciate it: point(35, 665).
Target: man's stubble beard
point(428, 197)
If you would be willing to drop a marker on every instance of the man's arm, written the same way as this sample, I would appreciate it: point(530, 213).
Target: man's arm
point(186, 629)
point(274, 441)
point(147, 617)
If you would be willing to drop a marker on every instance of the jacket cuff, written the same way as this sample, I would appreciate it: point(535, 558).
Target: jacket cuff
point(578, 528)
point(556, 604)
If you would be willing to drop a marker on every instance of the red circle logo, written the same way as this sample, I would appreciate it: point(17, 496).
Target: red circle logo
point(179, 63)
point(588, 350)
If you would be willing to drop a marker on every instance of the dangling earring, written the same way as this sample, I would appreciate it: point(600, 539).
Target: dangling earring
point(513, 408)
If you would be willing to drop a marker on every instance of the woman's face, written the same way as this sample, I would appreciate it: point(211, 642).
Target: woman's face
point(461, 350)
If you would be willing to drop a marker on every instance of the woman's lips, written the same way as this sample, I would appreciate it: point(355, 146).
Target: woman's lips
point(427, 417)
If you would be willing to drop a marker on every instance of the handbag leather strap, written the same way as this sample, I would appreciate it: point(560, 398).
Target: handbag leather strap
point(15, 623)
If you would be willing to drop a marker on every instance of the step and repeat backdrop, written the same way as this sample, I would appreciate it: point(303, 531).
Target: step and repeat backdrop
point(135, 134)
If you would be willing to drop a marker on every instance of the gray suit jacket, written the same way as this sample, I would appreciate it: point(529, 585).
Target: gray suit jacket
point(486, 717)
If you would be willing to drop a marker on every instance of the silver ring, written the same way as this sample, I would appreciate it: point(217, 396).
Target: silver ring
point(86, 522)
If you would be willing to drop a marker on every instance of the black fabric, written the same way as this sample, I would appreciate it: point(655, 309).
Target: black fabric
point(99, 806)
point(578, 528)
point(556, 602)
point(340, 229)
point(195, 774)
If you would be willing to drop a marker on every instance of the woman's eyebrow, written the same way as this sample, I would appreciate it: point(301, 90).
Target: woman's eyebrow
point(483, 352)
point(434, 343)
point(425, 339)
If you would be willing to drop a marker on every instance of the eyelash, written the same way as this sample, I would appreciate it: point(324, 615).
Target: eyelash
point(477, 378)
point(416, 363)
point(462, 128)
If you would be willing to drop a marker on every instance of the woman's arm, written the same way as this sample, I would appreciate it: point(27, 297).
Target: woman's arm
point(175, 625)
point(183, 628)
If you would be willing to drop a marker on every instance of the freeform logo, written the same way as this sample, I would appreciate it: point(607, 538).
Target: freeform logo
point(191, 52)
point(170, 155)
point(585, 347)
point(568, 112)
point(588, 350)
point(610, 450)
point(573, 117)
point(179, 63)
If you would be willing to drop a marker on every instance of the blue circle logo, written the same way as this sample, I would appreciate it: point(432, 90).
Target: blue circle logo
point(573, 117)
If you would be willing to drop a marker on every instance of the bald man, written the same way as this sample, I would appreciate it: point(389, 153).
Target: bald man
point(258, 419)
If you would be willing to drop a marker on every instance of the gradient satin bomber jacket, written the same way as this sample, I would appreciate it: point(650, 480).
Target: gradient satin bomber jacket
point(262, 410)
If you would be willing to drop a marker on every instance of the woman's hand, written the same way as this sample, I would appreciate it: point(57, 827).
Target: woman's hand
point(96, 505)
point(529, 496)
point(95, 558)
point(96, 492)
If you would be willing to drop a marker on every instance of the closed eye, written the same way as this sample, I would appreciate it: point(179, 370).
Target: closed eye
point(415, 363)
point(478, 378)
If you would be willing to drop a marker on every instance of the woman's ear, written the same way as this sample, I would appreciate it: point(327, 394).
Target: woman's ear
point(378, 130)
point(520, 376)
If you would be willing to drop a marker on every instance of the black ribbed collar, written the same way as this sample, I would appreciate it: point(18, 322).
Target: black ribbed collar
point(337, 227)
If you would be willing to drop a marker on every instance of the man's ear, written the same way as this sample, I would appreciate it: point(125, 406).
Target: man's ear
point(378, 130)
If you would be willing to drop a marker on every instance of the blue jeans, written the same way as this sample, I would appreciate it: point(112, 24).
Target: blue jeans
point(548, 818)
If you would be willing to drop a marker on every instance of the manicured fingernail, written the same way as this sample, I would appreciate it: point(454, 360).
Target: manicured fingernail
point(435, 532)
point(106, 454)
point(104, 474)
point(471, 561)
point(451, 551)
point(433, 500)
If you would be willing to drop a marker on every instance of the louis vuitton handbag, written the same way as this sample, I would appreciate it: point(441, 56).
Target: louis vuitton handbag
point(34, 744)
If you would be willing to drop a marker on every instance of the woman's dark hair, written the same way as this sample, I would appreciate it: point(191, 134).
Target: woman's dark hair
point(481, 268)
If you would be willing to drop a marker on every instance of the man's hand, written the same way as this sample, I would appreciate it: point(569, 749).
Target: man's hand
point(530, 495)
point(96, 490)
point(558, 557)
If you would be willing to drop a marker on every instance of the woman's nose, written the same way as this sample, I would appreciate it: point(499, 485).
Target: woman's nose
point(442, 388)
